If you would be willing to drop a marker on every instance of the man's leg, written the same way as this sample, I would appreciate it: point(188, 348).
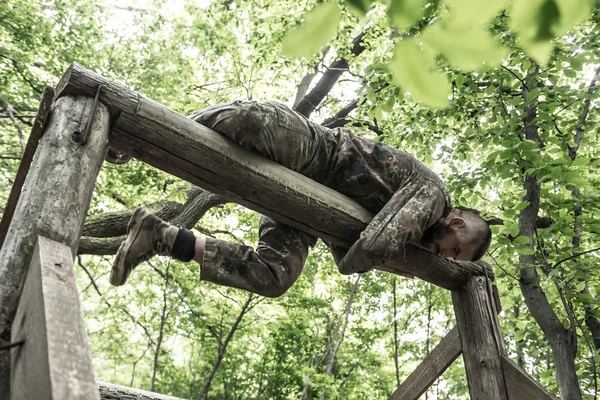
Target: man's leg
point(269, 271)
point(274, 131)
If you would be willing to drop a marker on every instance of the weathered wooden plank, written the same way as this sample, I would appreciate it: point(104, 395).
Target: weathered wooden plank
point(481, 340)
point(520, 385)
point(53, 202)
point(34, 138)
point(110, 391)
point(55, 362)
point(173, 143)
point(431, 368)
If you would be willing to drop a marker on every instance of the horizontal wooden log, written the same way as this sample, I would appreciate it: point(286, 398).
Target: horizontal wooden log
point(180, 146)
point(55, 362)
point(431, 368)
point(110, 391)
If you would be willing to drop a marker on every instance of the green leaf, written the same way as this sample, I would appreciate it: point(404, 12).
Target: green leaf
point(358, 7)
point(536, 23)
point(512, 230)
point(576, 65)
point(572, 12)
point(521, 240)
point(469, 12)
point(570, 73)
point(548, 19)
point(520, 335)
point(467, 49)
point(405, 13)
point(319, 27)
point(411, 68)
point(532, 95)
point(521, 324)
point(525, 251)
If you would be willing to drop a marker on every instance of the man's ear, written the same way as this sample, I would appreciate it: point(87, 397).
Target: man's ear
point(457, 221)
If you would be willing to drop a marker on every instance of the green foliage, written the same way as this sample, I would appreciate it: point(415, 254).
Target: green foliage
point(461, 35)
point(201, 55)
point(411, 67)
point(405, 13)
point(319, 28)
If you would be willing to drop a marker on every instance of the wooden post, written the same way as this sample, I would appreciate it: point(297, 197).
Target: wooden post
point(173, 143)
point(54, 200)
point(481, 340)
point(54, 362)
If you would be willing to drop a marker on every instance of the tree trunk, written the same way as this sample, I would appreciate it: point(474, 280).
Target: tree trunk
point(161, 331)
point(337, 338)
point(558, 337)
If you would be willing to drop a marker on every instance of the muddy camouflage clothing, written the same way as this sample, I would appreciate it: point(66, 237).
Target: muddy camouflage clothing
point(406, 196)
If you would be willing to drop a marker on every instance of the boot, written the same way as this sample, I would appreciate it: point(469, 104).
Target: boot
point(147, 235)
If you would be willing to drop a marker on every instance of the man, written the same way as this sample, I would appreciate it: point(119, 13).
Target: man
point(410, 202)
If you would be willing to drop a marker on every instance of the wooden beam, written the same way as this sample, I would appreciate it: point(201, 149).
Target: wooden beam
point(110, 391)
point(481, 339)
point(180, 146)
point(55, 362)
point(54, 200)
point(520, 385)
point(431, 368)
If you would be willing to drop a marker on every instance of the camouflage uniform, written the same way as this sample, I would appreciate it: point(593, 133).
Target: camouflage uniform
point(407, 196)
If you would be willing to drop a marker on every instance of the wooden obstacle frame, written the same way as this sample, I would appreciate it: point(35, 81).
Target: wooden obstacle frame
point(39, 302)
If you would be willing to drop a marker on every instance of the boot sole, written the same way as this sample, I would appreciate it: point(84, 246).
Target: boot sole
point(117, 273)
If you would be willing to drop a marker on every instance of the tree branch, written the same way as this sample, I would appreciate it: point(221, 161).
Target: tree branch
point(308, 104)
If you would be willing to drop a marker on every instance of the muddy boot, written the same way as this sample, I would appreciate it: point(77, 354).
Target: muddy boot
point(147, 235)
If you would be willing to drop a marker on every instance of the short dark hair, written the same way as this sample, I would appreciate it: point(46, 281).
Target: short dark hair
point(485, 244)
point(483, 224)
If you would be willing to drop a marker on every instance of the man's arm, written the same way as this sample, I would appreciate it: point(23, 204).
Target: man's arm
point(411, 210)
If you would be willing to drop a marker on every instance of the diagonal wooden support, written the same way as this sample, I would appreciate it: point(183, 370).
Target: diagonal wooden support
point(178, 145)
point(54, 362)
point(36, 133)
point(520, 385)
point(432, 367)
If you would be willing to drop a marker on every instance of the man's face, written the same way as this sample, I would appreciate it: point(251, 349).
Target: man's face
point(450, 239)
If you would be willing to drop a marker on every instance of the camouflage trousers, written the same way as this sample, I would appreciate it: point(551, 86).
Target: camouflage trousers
point(273, 131)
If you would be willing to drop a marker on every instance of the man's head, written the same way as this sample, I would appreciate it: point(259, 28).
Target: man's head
point(462, 235)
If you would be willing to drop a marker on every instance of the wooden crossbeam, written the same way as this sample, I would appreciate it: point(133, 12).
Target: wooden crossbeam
point(171, 142)
point(54, 362)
